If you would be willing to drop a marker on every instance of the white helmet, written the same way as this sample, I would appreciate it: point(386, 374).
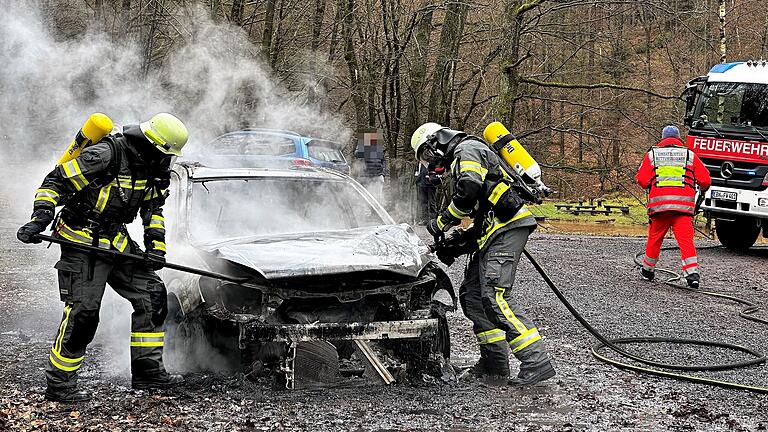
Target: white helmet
point(422, 135)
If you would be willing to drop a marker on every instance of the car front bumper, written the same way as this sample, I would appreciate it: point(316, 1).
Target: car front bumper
point(375, 330)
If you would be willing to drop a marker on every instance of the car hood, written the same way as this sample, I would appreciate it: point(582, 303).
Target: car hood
point(390, 248)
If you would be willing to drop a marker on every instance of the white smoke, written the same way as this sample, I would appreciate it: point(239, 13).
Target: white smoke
point(212, 79)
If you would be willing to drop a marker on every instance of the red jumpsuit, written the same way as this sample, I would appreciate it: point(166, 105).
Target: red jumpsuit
point(670, 171)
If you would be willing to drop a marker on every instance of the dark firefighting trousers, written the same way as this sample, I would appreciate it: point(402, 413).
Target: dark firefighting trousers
point(82, 280)
point(499, 324)
point(682, 228)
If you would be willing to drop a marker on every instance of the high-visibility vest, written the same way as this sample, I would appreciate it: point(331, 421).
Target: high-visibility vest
point(673, 167)
point(673, 187)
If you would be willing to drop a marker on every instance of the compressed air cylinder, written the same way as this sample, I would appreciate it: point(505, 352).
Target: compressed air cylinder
point(510, 149)
point(95, 128)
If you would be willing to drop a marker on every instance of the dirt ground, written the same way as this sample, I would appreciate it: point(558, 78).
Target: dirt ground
point(595, 272)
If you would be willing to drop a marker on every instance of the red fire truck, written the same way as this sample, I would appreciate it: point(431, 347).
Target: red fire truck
point(727, 116)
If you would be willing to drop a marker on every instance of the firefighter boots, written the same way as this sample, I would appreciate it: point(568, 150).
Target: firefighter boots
point(161, 380)
point(530, 375)
point(66, 394)
point(693, 280)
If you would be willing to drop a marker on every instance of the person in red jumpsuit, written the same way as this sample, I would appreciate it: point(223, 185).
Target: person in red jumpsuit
point(670, 172)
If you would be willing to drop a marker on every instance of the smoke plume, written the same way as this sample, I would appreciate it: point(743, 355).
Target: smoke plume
point(53, 76)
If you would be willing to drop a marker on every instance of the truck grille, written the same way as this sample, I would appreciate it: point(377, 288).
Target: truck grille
point(746, 175)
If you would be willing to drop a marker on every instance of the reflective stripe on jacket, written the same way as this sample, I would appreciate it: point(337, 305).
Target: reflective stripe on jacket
point(670, 172)
point(478, 172)
point(95, 191)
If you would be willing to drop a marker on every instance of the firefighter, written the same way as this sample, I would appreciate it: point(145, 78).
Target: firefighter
point(104, 188)
point(500, 231)
point(671, 173)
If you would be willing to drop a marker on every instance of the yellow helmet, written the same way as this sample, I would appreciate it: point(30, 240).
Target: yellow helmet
point(166, 132)
point(422, 134)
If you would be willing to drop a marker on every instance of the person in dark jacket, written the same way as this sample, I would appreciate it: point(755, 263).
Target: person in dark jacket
point(103, 189)
point(372, 165)
point(502, 224)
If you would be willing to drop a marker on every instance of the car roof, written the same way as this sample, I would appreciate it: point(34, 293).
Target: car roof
point(197, 171)
point(261, 131)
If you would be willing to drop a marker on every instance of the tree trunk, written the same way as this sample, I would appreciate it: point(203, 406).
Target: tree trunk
point(125, 19)
point(155, 7)
point(269, 24)
point(510, 63)
point(277, 40)
point(98, 15)
point(416, 89)
point(317, 24)
point(347, 8)
point(440, 97)
point(314, 44)
point(723, 56)
point(236, 14)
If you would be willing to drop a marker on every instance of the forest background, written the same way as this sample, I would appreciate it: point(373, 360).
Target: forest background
point(585, 84)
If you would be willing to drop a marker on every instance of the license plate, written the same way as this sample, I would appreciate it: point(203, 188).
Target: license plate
point(723, 195)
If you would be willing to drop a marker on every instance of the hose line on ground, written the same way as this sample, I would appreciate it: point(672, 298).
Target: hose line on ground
point(612, 344)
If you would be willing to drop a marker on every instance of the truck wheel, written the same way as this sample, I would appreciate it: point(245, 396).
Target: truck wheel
point(737, 235)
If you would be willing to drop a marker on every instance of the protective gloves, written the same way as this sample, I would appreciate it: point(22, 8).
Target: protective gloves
point(457, 243)
point(40, 220)
point(433, 228)
point(443, 222)
point(154, 260)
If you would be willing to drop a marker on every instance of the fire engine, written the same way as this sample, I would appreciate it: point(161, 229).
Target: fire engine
point(727, 116)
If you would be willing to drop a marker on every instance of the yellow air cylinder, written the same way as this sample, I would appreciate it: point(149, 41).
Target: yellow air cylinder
point(95, 128)
point(510, 149)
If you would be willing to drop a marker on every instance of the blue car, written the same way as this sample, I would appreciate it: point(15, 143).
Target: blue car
point(259, 148)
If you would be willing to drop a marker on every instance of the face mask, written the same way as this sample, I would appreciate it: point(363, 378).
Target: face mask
point(431, 156)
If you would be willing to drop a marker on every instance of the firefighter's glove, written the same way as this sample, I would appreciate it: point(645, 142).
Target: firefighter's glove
point(442, 223)
point(29, 231)
point(444, 254)
point(459, 242)
point(154, 260)
point(433, 229)
point(163, 178)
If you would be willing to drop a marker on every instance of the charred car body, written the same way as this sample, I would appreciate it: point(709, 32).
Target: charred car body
point(317, 259)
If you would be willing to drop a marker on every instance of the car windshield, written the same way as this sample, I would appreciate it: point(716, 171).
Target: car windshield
point(734, 105)
point(236, 208)
point(252, 144)
point(325, 151)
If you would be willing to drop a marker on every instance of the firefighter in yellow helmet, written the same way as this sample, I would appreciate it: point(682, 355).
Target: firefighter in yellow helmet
point(107, 186)
point(496, 240)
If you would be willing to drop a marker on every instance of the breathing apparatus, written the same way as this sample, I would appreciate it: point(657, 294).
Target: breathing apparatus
point(519, 164)
point(94, 129)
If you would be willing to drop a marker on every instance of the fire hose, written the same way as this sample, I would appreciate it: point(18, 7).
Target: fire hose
point(613, 344)
point(130, 256)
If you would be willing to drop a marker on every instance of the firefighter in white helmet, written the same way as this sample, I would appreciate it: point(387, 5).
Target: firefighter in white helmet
point(102, 189)
point(499, 233)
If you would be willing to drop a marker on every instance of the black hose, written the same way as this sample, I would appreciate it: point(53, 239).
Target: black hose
point(612, 344)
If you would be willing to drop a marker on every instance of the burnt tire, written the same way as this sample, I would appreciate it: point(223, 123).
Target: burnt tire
point(739, 234)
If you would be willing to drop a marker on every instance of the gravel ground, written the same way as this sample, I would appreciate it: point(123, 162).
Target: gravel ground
point(596, 273)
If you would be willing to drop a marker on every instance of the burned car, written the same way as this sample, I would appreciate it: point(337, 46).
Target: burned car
point(318, 275)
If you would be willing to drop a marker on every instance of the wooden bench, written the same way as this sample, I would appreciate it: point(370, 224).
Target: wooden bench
point(623, 209)
point(593, 212)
